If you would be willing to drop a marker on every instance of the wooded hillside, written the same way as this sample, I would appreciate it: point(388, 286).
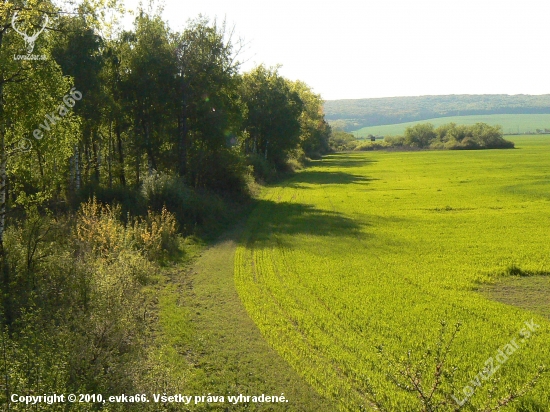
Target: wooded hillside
point(354, 114)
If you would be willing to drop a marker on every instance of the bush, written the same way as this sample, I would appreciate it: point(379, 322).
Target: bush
point(448, 136)
point(129, 198)
point(368, 146)
point(223, 171)
point(156, 235)
point(262, 170)
point(100, 231)
point(420, 135)
point(193, 209)
point(395, 141)
point(72, 315)
point(340, 141)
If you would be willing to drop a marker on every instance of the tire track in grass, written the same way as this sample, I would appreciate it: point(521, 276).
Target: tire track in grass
point(235, 357)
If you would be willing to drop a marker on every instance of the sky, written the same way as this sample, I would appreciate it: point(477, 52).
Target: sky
point(347, 49)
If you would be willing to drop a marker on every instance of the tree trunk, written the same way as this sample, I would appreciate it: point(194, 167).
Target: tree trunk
point(120, 155)
point(183, 131)
point(96, 157)
point(110, 152)
point(77, 168)
point(3, 162)
point(3, 185)
point(148, 148)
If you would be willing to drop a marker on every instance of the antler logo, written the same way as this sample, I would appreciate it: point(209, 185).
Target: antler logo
point(29, 39)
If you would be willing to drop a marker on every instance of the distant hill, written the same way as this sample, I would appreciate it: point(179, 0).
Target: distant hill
point(354, 114)
point(511, 124)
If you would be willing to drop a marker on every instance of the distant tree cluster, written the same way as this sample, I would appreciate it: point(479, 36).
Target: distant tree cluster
point(341, 141)
point(448, 136)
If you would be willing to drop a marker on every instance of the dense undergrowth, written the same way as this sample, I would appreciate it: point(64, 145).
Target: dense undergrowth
point(81, 285)
point(77, 308)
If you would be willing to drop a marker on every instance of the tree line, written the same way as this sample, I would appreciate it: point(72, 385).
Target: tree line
point(426, 136)
point(448, 136)
point(152, 101)
point(113, 145)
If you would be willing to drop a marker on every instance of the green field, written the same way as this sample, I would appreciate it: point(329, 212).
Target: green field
point(510, 123)
point(369, 249)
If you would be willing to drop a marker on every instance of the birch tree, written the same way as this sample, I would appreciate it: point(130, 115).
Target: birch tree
point(31, 89)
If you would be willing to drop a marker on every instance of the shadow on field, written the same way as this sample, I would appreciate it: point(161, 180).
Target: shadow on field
point(327, 178)
point(272, 218)
point(343, 160)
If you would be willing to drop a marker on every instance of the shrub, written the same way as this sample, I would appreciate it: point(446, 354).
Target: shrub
point(262, 170)
point(222, 171)
point(191, 208)
point(341, 141)
point(156, 235)
point(367, 146)
point(76, 317)
point(395, 141)
point(129, 198)
point(99, 229)
point(448, 136)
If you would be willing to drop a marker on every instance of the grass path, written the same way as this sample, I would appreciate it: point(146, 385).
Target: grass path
point(205, 315)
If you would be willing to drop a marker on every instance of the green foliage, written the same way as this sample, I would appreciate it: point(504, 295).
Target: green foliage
point(211, 111)
point(273, 121)
point(395, 141)
point(73, 303)
point(420, 135)
point(100, 229)
point(157, 146)
point(148, 87)
point(262, 170)
point(33, 360)
point(196, 211)
point(386, 144)
point(128, 198)
point(340, 141)
point(315, 131)
point(447, 136)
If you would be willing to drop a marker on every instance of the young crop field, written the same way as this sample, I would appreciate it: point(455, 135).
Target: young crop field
point(511, 123)
point(364, 250)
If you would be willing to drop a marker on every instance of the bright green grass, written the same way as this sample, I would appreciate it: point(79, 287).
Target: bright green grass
point(206, 342)
point(509, 122)
point(376, 248)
